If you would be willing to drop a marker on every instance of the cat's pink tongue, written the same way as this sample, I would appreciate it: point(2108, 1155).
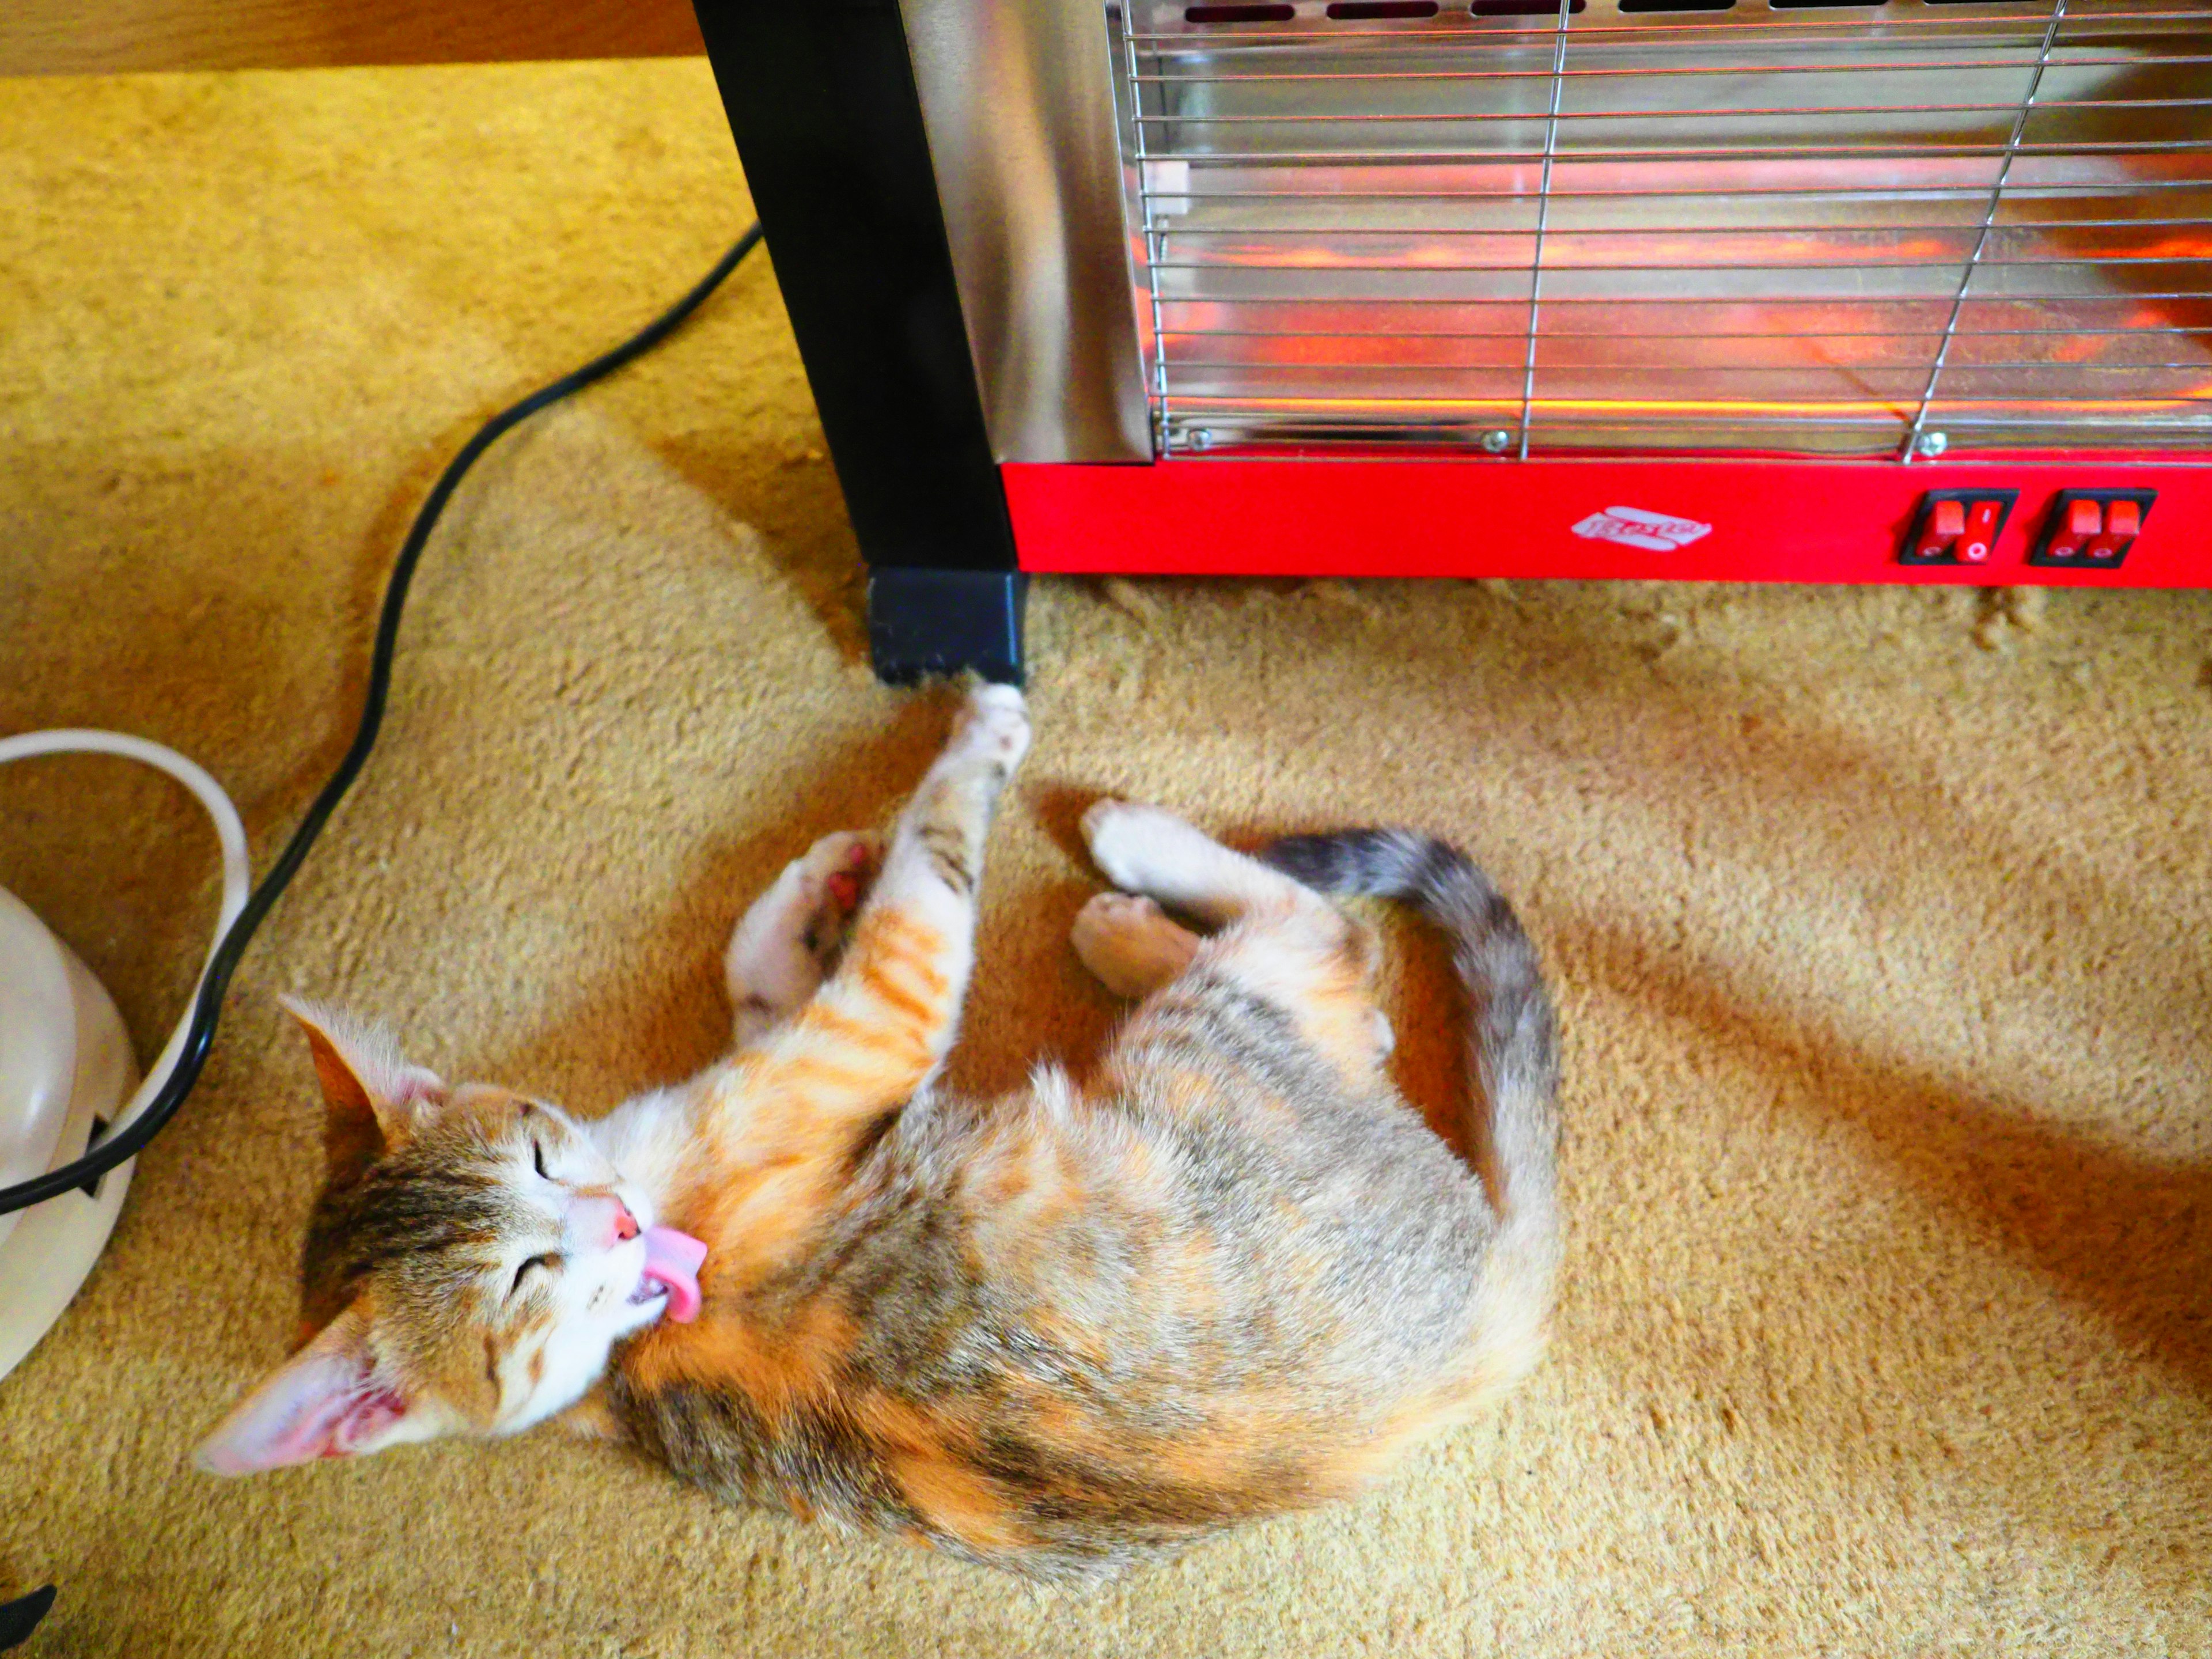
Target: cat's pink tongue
point(671, 1261)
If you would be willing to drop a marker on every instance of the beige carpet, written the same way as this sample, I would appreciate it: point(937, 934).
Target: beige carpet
point(1881, 925)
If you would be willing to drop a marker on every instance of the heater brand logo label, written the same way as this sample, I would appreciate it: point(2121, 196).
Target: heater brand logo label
point(1637, 528)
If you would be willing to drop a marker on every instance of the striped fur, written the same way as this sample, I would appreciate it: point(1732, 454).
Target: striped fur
point(1512, 1041)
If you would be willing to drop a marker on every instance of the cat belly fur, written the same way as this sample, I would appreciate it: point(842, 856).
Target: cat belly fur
point(1059, 1334)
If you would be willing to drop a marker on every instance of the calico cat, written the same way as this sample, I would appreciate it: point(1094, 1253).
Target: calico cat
point(1234, 1275)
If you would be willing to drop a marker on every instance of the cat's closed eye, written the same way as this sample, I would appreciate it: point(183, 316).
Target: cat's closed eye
point(549, 1262)
point(538, 1160)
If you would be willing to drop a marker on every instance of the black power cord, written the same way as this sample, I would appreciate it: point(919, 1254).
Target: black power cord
point(207, 1009)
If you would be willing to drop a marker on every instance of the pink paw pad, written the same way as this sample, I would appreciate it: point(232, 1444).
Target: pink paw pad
point(846, 884)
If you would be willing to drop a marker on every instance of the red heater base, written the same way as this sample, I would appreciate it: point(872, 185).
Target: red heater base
point(1711, 519)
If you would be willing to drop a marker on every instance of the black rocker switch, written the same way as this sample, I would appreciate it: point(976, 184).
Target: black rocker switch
point(1957, 527)
point(2092, 529)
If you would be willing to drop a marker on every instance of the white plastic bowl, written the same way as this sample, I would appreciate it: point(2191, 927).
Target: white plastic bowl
point(65, 1067)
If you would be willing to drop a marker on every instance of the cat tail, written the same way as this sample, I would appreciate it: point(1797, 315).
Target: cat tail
point(1513, 1037)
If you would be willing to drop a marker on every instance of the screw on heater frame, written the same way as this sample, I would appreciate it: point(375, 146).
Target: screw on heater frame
point(1932, 443)
point(1199, 437)
point(1497, 442)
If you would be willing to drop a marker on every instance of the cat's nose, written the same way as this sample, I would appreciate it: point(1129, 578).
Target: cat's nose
point(602, 1221)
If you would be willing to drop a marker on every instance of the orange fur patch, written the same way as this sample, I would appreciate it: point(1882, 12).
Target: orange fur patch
point(775, 1370)
point(875, 978)
point(751, 1219)
point(890, 935)
point(830, 1021)
point(956, 1500)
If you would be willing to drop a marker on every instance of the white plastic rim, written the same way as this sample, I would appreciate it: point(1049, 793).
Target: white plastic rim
point(230, 833)
point(38, 1044)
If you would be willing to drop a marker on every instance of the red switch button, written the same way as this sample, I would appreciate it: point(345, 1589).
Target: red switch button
point(2084, 521)
point(1947, 522)
point(2122, 524)
point(1981, 532)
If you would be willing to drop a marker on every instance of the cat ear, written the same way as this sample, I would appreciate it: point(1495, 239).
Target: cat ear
point(374, 1094)
point(325, 1401)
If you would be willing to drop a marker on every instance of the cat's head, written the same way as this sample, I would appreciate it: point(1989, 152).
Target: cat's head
point(471, 1264)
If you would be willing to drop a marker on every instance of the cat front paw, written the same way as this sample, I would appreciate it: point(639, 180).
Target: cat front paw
point(993, 726)
point(790, 938)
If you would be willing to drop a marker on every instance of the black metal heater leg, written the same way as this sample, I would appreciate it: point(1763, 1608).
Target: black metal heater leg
point(923, 623)
point(822, 99)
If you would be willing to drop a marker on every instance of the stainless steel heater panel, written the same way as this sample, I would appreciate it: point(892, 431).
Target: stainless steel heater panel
point(1017, 98)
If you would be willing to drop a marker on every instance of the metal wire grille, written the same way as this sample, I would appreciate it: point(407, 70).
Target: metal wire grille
point(1817, 227)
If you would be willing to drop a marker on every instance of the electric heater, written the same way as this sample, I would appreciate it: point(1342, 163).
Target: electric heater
point(1743, 290)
